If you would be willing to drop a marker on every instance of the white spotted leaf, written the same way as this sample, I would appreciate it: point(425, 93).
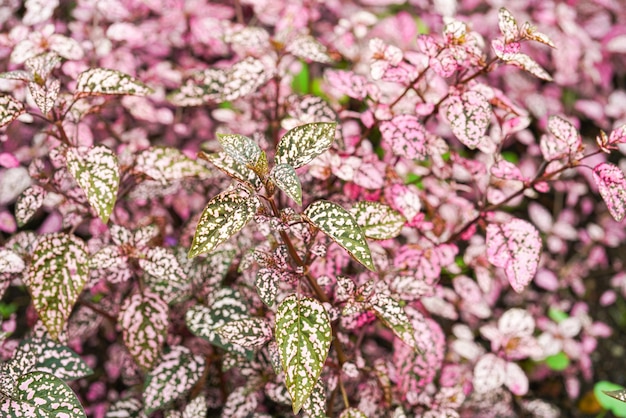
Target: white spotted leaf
point(45, 95)
point(241, 402)
point(39, 394)
point(251, 333)
point(126, 408)
point(469, 116)
point(224, 215)
point(562, 141)
point(165, 276)
point(352, 413)
point(99, 81)
point(612, 187)
point(308, 48)
point(28, 203)
point(56, 359)
point(144, 319)
point(10, 109)
point(340, 225)
point(96, 171)
point(507, 25)
point(173, 376)
point(56, 276)
point(229, 166)
point(245, 151)
point(303, 334)
point(166, 165)
point(196, 408)
point(266, 284)
point(10, 262)
point(377, 220)
point(287, 180)
point(489, 373)
point(619, 394)
point(302, 144)
point(514, 246)
point(315, 405)
point(509, 53)
point(391, 313)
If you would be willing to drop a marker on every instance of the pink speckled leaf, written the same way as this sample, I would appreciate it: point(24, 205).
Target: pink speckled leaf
point(516, 247)
point(489, 373)
point(28, 203)
point(303, 335)
point(100, 81)
point(266, 284)
point(144, 319)
point(391, 313)
point(241, 403)
point(251, 333)
point(10, 262)
point(507, 25)
point(562, 141)
point(348, 83)
point(511, 55)
point(618, 135)
point(612, 187)
point(96, 171)
point(175, 374)
point(469, 116)
point(406, 135)
point(45, 95)
point(56, 277)
point(10, 109)
point(308, 48)
point(164, 274)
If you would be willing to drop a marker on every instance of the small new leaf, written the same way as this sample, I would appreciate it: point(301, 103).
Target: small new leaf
point(10, 109)
point(303, 335)
point(226, 164)
point(341, 227)
point(223, 217)
point(99, 81)
point(612, 187)
point(377, 220)
point(56, 277)
point(96, 171)
point(302, 144)
point(287, 180)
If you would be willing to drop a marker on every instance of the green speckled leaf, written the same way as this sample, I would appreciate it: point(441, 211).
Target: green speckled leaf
point(315, 405)
point(226, 164)
point(174, 375)
point(302, 144)
point(251, 333)
point(99, 81)
point(126, 408)
point(287, 180)
point(41, 395)
point(28, 203)
point(222, 217)
point(378, 221)
point(56, 277)
point(303, 334)
point(340, 225)
point(266, 284)
point(352, 413)
point(166, 165)
point(245, 151)
point(57, 359)
point(97, 172)
point(388, 310)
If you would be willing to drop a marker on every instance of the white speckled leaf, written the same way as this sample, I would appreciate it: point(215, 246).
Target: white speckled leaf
point(10, 109)
point(56, 277)
point(226, 164)
point(96, 171)
point(165, 276)
point(308, 48)
point(222, 217)
point(315, 405)
point(57, 359)
point(41, 395)
point(612, 187)
point(210, 271)
point(196, 408)
point(377, 220)
point(619, 394)
point(241, 403)
point(389, 311)
point(176, 373)
point(166, 164)
point(98, 81)
point(340, 225)
point(352, 413)
point(469, 116)
point(126, 408)
point(45, 96)
point(28, 203)
point(302, 144)
point(144, 319)
point(303, 335)
point(287, 180)
point(23, 362)
point(267, 285)
point(507, 25)
point(10, 262)
point(245, 151)
point(251, 333)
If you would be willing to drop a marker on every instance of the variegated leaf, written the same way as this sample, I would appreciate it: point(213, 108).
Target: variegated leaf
point(251, 333)
point(267, 285)
point(57, 359)
point(240, 403)
point(287, 180)
point(212, 270)
point(562, 141)
point(516, 247)
point(162, 264)
point(352, 413)
point(245, 151)
point(144, 318)
point(40, 66)
point(391, 313)
point(529, 32)
point(10, 109)
point(308, 48)
point(196, 408)
point(489, 373)
point(226, 164)
point(225, 306)
point(406, 136)
point(28, 203)
point(303, 334)
point(56, 277)
point(45, 96)
point(96, 171)
point(40, 394)
point(510, 54)
point(340, 225)
point(469, 116)
point(315, 405)
point(508, 25)
point(176, 372)
point(302, 144)
point(377, 220)
point(99, 81)
point(126, 408)
point(23, 362)
point(222, 217)
point(166, 165)
point(10, 262)
point(619, 394)
point(612, 187)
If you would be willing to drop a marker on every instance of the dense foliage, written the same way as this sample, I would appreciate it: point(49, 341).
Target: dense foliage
point(370, 208)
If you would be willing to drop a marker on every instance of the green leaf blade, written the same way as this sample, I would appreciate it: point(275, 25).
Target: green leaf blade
point(96, 171)
point(341, 227)
point(303, 334)
point(378, 221)
point(287, 180)
point(244, 150)
point(225, 215)
point(302, 144)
